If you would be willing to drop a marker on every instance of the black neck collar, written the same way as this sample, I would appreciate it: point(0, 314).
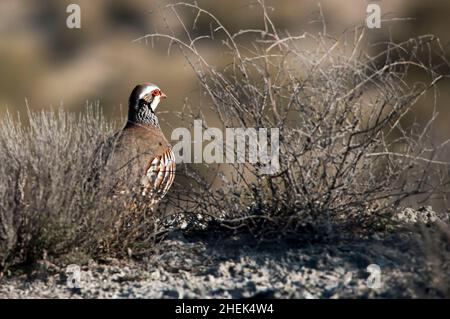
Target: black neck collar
point(143, 114)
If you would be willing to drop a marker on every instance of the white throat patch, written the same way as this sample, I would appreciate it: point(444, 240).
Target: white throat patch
point(155, 102)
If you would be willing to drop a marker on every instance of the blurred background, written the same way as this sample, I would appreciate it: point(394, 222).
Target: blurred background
point(49, 65)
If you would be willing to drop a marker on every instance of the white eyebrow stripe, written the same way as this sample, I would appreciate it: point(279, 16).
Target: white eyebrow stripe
point(146, 91)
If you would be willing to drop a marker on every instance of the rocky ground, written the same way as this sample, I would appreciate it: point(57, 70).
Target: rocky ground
point(218, 266)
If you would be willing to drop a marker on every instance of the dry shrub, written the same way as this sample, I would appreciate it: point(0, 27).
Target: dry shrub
point(346, 153)
point(58, 197)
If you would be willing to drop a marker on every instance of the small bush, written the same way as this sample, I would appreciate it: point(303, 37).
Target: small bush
point(346, 152)
point(57, 195)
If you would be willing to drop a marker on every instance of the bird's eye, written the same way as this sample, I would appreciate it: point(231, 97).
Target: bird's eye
point(156, 92)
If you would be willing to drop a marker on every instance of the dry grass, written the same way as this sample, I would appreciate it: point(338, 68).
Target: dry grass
point(57, 195)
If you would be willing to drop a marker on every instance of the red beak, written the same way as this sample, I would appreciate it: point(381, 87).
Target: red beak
point(163, 96)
